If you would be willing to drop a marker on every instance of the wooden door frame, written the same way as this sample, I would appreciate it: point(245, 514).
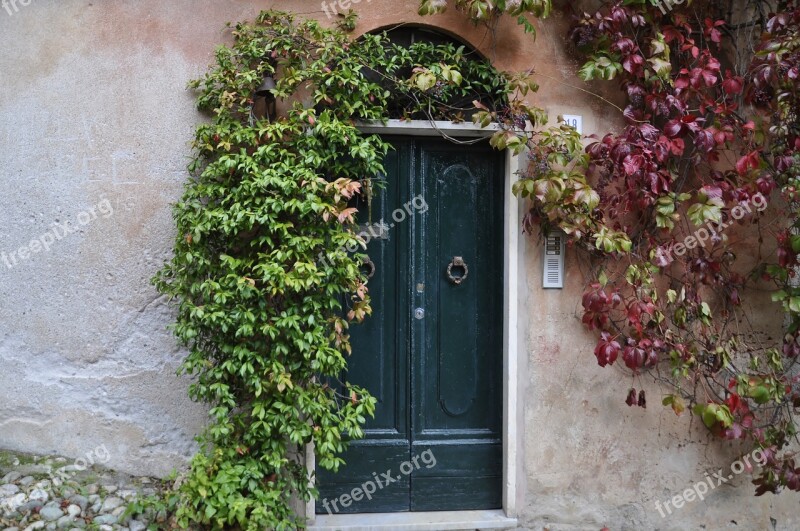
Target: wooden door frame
point(504, 518)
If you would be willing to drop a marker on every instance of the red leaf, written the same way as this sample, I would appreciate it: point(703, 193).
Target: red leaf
point(712, 191)
point(735, 300)
point(631, 400)
point(733, 85)
point(633, 357)
point(633, 63)
point(709, 77)
point(625, 45)
point(749, 161)
point(673, 128)
point(607, 350)
point(632, 164)
point(677, 146)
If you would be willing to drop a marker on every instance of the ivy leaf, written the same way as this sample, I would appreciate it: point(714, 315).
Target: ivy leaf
point(714, 415)
point(633, 164)
point(662, 67)
point(748, 162)
point(672, 296)
point(733, 85)
point(587, 71)
point(607, 350)
point(527, 26)
point(778, 296)
point(424, 81)
point(673, 128)
point(586, 196)
point(432, 7)
point(677, 403)
point(760, 394)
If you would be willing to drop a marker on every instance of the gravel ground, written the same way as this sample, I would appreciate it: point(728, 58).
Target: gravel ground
point(53, 493)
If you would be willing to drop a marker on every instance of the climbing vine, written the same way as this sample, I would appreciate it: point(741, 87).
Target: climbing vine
point(690, 179)
point(487, 11)
point(266, 271)
point(689, 215)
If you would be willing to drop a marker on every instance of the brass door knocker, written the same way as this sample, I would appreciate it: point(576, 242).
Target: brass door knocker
point(457, 262)
point(370, 267)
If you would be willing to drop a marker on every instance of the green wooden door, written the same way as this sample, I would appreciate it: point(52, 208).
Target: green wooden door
point(432, 351)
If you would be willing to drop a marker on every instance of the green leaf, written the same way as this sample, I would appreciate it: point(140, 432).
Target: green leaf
point(760, 394)
point(677, 403)
point(662, 67)
point(780, 295)
point(587, 71)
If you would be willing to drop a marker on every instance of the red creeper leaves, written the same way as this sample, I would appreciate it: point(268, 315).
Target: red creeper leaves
point(685, 180)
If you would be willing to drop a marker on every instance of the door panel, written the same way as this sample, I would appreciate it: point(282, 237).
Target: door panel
point(456, 373)
point(437, 378)
point(380, 346)
point(466, 494)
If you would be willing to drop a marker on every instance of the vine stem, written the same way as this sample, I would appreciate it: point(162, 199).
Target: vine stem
point(598, 96)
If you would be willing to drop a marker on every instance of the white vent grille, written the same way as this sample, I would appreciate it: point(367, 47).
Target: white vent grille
point(554, 261)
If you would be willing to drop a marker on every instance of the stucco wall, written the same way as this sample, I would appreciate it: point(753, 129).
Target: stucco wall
point(94, 116)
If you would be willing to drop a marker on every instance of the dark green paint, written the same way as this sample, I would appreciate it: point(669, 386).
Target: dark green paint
point(437, 379)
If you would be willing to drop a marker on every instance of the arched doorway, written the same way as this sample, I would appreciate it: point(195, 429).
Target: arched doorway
point(455, 104)
point(432, 353)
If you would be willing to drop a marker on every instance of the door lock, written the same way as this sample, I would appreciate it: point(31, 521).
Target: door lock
point(419, 313)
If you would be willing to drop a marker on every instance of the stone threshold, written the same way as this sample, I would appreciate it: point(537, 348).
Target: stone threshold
point(427, 521)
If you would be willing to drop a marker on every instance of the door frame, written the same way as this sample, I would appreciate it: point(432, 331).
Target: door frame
point(504, 518)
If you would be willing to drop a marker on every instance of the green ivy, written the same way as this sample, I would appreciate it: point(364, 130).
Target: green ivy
point(488, 11)
point(265, 292)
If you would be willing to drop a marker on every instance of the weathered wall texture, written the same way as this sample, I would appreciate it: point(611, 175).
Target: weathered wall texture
point(93, 114)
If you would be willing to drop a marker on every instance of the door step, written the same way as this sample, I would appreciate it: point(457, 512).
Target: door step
point(427, 521)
